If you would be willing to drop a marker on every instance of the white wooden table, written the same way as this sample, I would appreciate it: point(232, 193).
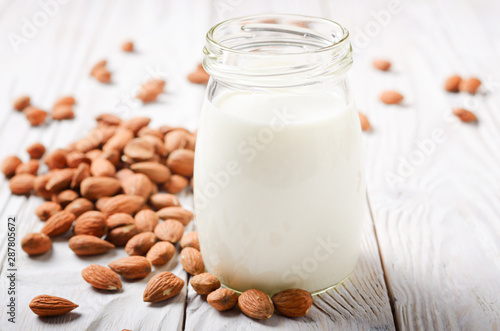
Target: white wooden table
point(431, 247)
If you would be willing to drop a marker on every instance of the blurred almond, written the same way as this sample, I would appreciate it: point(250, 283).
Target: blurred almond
point(35, 116)
point(56, 159)
point(30, 167)
point(136, 123)
point(470, 85)
point(128, 46)
point(205, 283)
point(120, 235)
point(9, 165)
point(63, 112)
point(157, 172)
point(137, 184)
point(119, 219)
point(60, 180)
point(139, 149)
point(382, 65)
point(47, 210)
point(199, 76)
point(20, 103)
point(36, 150)
point(452, 83)
point(176, 139)
point(103, 168)
point(464, 115)
point(65, 197)
point(74, 159)
point(82, 172)
point(79, 206)
point(21, 184)
point(48, 305)
point(39, 184)
point(108, 119)
point(119, 140)
point(181, 162)
point(36, 243)
point(175, 184)
point(163, 200)
point(391, 97)
point(123, 203)
point(94, 188)
point(177, 213)
point(67, 101)
point(365, 124)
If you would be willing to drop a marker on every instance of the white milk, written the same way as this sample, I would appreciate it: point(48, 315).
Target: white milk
point(279, 190)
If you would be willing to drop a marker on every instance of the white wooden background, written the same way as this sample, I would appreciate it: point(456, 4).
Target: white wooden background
point(431, 248)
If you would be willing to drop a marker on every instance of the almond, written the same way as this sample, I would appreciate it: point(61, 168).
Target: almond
point(146, 220)
point(452, 83)
point(35, 116)
point(65, 197)
point(56, 159)
point(102, 75)
point(205, 283)
point(465, 115)
point(177, 213)
point(99, 204)
point(128, 46)
point(30, 167)
point(222, 299)
point(67, 100)
point(136, 123)
point(175, 184)
point(190, 239)
point(94, 188)
point(293, 302)
point(101, 277)
point(84, 245)
point(119, 140)
point(157, 172)
point(36, 243)
point(111, 155)
point(82, 172)
point(470, 85)
point(181, 162)
point(365, 124)
point(176, 139)
point(163, 286)
point(9, 165)
point(169, 230)
point(147, 131)
point(21, 102)
point(60, 180)
point(108, 119)
point(103, 168)
point(98, 66)
point(163, 200)
point(58, 224)
point(137, 184)
point(21, 184)
point(48, 305)
point(161, 253)
point(119, 219)
point(119, 236)
point(123, 203)
point(191, 261)
point(92, 223)
point(199, 76)
point(39, 186)
point(391, 97)
point(74, 159)
point(383, 65)
point(36, 150)
point(132, 267)
point(47, 210)
point(140, 243)
point(79, 206)
point(62, 112)
point(256, 304)
point(123, 174)
point(139, 149)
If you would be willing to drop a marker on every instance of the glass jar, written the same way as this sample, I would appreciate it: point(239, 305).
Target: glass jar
point(279, 184)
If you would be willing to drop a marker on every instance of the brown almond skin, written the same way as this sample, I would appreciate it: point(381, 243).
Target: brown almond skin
point(10, 164)
point(101, 277)
point(21, 184)
point(123, 203)
point(21, 102)
point(137, 184)
point(47, 210)
point(79, 206)
point(162, 286)
point(163, 200)
point(60, 180)
point(169, 230)
point(36, 150)
point(119, 140)
point(36, 243)
point(293, 302)
point(139, 149)
point(470, 85)
point(136, 123)
point(119, 219)
point(65, 197)
point(119, 236)
point(181, 161)
point(199, 76)
point(256, 304)
point(452, 83)
point(35, 116)
point(222, 299)
point(30, 167)
point(132, 267)
point(62, 112)
point(190, 239)
point(108, 119)
point(161, 253)
point(92, 223)
point(58, 224)
point(205, 283)
point(191, 261)
point(146, 220)
point(128, 46)
point(94, 188)
point(382, 65)
point(365, 124)
point(176, 139)
point(39, 184)
point(66, 100)
point(48, 305)
point(74, 159)
point(177, 213)
point(56, 159)
point(464, 115)
point(391, 97)
point(82, 172)
point(175, 184)
point(102, 167)
point(140, 243)
point(157, 172)
point(85, 245)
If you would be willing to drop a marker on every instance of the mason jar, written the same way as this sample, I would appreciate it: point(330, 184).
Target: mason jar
point(279, 183)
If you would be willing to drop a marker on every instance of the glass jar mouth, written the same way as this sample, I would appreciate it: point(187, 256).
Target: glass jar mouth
point(273, 49)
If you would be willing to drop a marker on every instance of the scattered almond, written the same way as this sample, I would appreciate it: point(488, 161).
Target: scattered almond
point(62, 112)
point(47, 210)
point(119, 219)
point(161, 253)
point(66, 101)
point(48, 305)
point(58, 224)
point(79, 206)
point(391, 97)
point(383, 65)
point(35, 116)
point(136, 123)
point(36, 243)
point(82, 172)
point(10, 164)
point(139, 149)
point(176, 139)
point(199, 76)
point(137, 184)
point(157, 172)
point(60, 180)
point(205, 283)
point(222, 299)
point(56, 159)
point(101, 277)
point(191, 261)
point(123, 203)
point(102, 167)
point(169, 230)
point(85, 245)
point(464, 115)
point(132, 267)
point(256, 304)
point(21, 184)
point(65, 197)
point(128, 46)
point(365, 124)
point(36, 150)
point(163, 200)
point(39, 186)
point(21, 102)
point(293, 302)
point(470, 85)
point(452, 83)
point(163, 286)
